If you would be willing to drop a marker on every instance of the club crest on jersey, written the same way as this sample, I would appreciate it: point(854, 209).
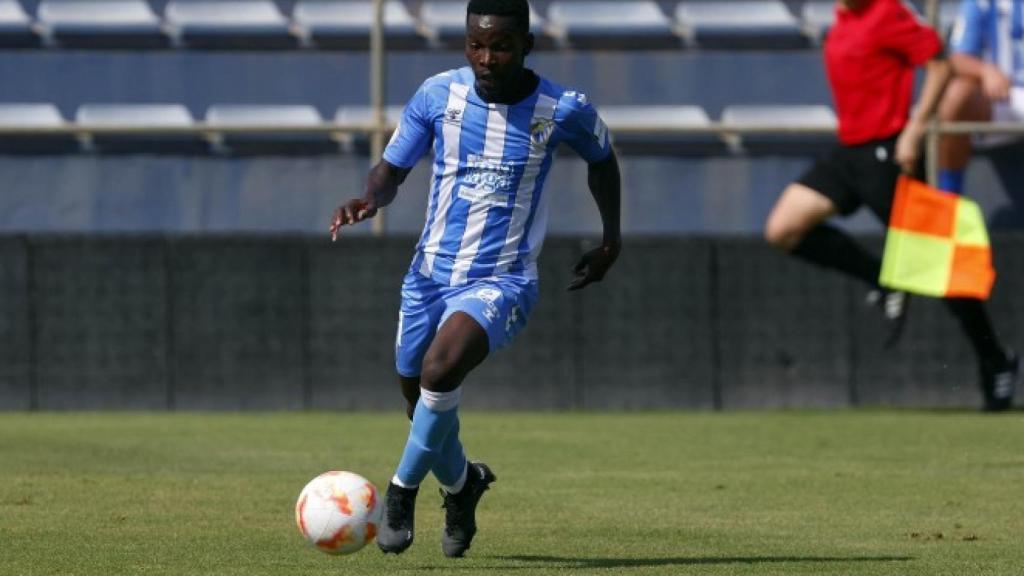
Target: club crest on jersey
point(453, 116)
point(541, 130)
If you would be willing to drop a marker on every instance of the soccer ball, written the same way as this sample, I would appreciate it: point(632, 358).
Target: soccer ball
point(338, 512)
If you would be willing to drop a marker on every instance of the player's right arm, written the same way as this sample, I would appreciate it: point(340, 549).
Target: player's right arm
point(967, 46)
point(381, 188)
point(410, 140)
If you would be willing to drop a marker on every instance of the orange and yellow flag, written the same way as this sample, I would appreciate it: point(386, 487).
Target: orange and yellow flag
point(936, 245)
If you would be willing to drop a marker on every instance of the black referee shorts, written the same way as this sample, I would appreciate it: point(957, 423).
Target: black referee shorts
point(855, 176)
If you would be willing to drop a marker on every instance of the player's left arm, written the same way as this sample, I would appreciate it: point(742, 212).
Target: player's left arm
point(605, 186)
point(587, 134)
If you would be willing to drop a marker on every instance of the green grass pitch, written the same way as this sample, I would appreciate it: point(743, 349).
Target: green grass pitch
point(848, 493)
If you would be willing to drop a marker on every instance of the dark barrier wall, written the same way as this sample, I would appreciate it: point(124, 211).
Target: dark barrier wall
point(300, 323)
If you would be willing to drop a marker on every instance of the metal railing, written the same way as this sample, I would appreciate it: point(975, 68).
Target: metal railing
point(379, 127)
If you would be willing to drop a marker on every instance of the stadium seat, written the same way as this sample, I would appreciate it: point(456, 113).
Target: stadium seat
point(640, 129)
point(15, 26)
point(818, 17)
point(799, 116)
point(275, 141)
point(137, 116)
point(101, 24)
point(35, 116)
point(614, 25)
point(757, 24)
point(229, 24)
point(333, 24)
point(357, 115)
point(444, 22)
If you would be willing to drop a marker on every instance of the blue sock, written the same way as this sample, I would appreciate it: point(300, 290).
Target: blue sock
point(429, 431)
point(951, 181)
point(452, 460)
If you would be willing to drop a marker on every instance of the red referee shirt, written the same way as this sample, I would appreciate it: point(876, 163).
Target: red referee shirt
point(870, 56)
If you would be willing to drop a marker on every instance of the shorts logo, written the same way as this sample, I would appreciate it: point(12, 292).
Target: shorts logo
point(513, 318)
point(881, 153)
point(488, 294)
point(453, 116)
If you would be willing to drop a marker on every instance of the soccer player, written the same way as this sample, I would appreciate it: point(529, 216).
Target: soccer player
point(870, 56)
point(988, 60)
point(494, 126)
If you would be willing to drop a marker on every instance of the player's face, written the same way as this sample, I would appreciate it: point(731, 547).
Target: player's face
point(496, 50)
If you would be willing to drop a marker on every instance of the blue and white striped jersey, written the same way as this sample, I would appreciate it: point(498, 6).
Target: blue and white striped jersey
point(487, 213)
point(993, 30)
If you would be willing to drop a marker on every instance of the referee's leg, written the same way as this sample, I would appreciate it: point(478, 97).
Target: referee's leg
point(797, 225)
point(798, 211)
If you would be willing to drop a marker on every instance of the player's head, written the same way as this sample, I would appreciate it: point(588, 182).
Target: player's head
point(497, 41)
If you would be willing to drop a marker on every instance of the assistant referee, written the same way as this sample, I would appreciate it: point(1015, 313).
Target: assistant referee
point(871, 54)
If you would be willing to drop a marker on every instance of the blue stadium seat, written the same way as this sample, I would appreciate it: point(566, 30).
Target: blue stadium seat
point(15, 26)
point(757, 24)
point(34, 116)
point(272, 142)
point(639, 129)
point(101, 24)
point(753, 116)
point(607, 24)
point(229, 24)
point(818, 17)
point(134, 116)
point(444, 22)
point(346, 24)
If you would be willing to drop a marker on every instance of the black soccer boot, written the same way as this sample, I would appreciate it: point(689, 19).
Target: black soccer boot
point(395, 533)
point(998, 384)
point(460, 510)
point(894, 306)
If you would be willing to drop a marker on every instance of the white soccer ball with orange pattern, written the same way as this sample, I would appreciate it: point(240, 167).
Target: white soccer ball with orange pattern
point(338, 512)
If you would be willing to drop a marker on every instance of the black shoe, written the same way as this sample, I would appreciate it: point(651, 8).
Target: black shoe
point(460, 510)
point(894, 306)
point(1000, 384)
point(395, 533)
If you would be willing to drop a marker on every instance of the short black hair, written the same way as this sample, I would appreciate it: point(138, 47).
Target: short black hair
point(518, 9)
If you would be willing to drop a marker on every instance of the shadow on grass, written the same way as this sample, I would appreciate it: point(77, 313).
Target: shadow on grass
point(567, 562)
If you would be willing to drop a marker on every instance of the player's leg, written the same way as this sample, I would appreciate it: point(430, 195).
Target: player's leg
point(500, 308)
point(422, 307)
point(963, 100)
point(459, 346)
point(433, 444)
